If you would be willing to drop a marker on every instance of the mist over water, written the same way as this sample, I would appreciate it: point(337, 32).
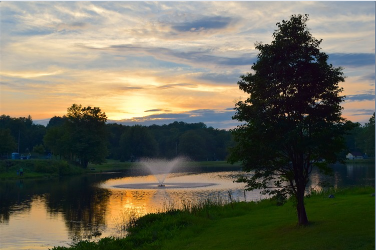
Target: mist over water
point(160, 168)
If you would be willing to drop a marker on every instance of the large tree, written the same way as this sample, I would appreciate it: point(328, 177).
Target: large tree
point(88, 135)
point(81, 136)
point(291, 122)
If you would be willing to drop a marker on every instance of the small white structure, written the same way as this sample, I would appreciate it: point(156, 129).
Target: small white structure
point(354, 155)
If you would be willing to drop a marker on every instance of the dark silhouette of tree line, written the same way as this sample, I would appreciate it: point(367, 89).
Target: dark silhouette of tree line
point(361, 138)
point(195, 140)
point(82, 136)
point(130, 143)
point(19, 135)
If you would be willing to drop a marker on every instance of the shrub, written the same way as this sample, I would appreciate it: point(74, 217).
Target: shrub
point(45, 167)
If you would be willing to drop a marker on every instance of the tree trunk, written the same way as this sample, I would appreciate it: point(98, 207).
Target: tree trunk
point(302, 215)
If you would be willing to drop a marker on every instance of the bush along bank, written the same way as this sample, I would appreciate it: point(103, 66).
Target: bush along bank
point(13, 169)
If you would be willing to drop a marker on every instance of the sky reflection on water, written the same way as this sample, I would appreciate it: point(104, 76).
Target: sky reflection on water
point(40, 214)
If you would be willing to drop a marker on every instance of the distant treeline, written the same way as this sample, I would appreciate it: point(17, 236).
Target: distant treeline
point(362, 138)
point(130, 143)
point(126, 143)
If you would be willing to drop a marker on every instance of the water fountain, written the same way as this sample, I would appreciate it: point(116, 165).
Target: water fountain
point(160, 169)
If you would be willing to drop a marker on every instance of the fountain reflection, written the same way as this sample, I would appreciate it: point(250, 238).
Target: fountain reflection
point(179, 186)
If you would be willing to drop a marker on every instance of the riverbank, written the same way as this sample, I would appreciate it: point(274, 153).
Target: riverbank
point(43, 168)
point(37, 168)
point(343, 222)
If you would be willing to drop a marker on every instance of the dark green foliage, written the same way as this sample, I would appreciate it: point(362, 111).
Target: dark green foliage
point(208, 143)
point(57, 141)
point(114, 132)
point(86, 127)
point(68, 139)
point(52, 167)
point(56, 121)
point(8, 143)
point(39, 149)
point(79, 137)
point(292, 118)
point(168, 141)
point(361, 139)
point(193, 145)
point(24, 130)
point(365, 138)
point(352, 138)
point(138, 142)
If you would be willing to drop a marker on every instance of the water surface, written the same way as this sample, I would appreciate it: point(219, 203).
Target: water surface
point(40, 214)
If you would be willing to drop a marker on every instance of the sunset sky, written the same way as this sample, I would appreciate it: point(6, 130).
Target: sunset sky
point(159, 62)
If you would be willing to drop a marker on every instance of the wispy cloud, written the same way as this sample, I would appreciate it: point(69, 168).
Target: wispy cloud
point(157, 110)
point(176, 85)
point(216, 118)
point(192, 57)
point(362, 112)
point(229, 78)
point(352, 60)
point(186, 57)
point(203, 24)
point(72, 26)
point(360, 97)
point(369, 78)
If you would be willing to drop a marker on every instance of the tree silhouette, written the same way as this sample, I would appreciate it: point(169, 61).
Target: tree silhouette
point(87, 131)
point(292, 119)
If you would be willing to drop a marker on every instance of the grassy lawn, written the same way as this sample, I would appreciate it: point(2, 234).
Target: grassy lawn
point(111, 165)
point(29, 175)
point(344, 222)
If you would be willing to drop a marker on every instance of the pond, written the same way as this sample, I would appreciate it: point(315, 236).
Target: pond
point(40, 214)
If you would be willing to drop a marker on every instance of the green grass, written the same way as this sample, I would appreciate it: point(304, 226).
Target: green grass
point(345, 222)
point(111, 165)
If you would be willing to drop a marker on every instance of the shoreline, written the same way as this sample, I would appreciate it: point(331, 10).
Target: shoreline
point(51, 168)
point(334, 224)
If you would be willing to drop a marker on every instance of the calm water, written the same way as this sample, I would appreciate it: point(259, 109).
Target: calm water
point(40, 214)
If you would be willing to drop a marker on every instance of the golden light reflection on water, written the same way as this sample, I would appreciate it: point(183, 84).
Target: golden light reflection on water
point(31, 229)
point(127, 202)
point(40, 215)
